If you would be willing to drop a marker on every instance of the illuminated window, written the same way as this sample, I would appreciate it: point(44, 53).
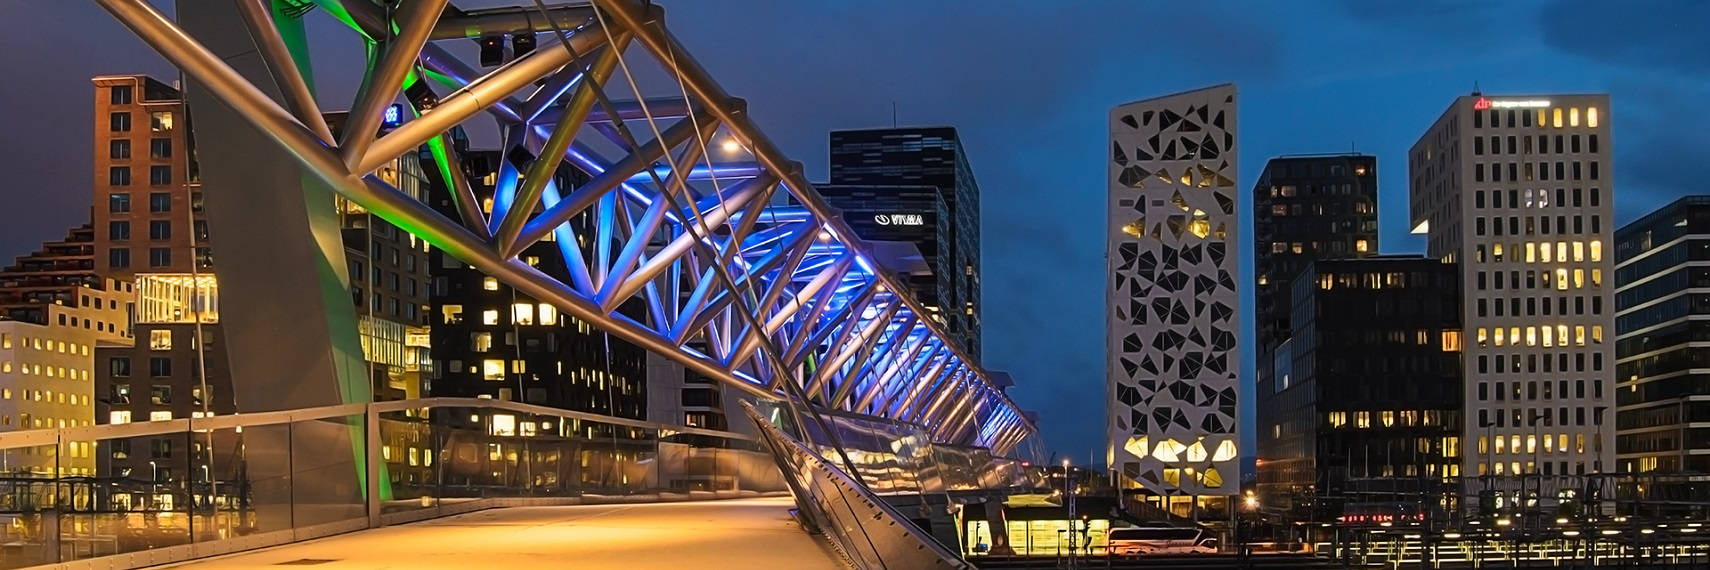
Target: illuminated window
point(1362, 419)
point(453, 314)
point(490, 284)
point(1360, 246)
point(1531, 252)
point(1500, 336)
point(522, 313)
point(1579, 251)
point(160, 340)
point(1579, 278)
point(1545, 252)
point(1531, 336)
point(1597, 334)
point(1573, 117)
point(160, 121)
point(1549, 337)
point(1596, 250)
point(1501, 442)
point(1591, 118)
point(1540, 117)
point(504, 424)
point(1561, 279)
point(1597, 278)
point(1579, 335)
point(490, 317)
point(548, 314)
point(492, 369)
point(1556, 117)
point(1483, 337)
point(160, 416)
point(1388, 418)
point(481, 341)
point(119, 417)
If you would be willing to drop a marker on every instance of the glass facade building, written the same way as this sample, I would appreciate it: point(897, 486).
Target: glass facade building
point(1662, 267)
point(1367, 393)
point(924, 156)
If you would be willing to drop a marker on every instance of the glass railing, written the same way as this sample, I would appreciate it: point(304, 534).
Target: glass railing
point(157, 492)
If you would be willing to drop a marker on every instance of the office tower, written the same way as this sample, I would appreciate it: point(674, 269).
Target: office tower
point(178, 368)
point(1305, 207)
point(892, 216)
point(925, 156)
point(1367, 392)
point(492, 341)
point(1657, 319)
point(147, 193)
point(1171, 306)
point(1515, 190)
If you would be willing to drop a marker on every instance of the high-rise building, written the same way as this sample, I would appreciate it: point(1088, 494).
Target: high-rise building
point(492, 341)
point(1171, 309)
point(1515, 190)
point(151, 238)
point(148, 199)
point(1305, 207)
point(926, 156)
point(1658, 315)
point(1366, 397)
point(917, 215)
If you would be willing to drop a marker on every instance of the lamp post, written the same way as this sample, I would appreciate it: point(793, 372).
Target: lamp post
point(1069, 499)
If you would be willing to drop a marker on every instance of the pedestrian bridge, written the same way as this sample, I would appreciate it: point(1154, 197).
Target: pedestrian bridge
point(857, 403)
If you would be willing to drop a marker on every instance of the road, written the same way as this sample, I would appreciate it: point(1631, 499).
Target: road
point(747, 533)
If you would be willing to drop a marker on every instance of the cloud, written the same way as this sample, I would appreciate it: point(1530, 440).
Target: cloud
point(1647, 34)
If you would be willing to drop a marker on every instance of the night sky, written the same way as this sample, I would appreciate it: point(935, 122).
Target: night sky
point(1029, 84)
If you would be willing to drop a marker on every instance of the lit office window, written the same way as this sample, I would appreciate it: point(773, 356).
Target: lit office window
point(548, 314)
point(160, 339)
point(492, 369)
point(159, 416)
point(119, 417)
point(522, 313)
point(490, 317)
point(490, 284)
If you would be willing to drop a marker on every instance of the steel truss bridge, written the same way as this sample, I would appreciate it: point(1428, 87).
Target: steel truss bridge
point(748, 276)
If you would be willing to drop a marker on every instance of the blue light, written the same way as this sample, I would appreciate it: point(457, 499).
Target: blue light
point(394, 116)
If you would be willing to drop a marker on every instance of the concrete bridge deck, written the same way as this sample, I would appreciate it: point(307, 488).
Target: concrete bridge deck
point(748, 533)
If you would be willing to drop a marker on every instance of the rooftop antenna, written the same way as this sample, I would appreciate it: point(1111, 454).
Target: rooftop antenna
point(1475, 90)
point(893, 114)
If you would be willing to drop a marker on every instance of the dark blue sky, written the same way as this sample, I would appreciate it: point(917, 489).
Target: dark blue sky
point(1029, 83)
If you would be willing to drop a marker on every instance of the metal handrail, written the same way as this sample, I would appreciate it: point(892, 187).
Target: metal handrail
point(51, 436)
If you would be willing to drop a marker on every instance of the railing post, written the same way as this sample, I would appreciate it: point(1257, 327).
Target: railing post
point(370, 451)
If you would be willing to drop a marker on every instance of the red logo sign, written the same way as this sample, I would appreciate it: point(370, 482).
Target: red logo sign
point(1481, 104)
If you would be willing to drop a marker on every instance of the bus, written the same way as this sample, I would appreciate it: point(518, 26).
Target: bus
point(1160, 540)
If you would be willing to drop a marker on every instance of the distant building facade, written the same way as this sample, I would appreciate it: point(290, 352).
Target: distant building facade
point(924, 156)
point(1516, 191)
point(1367, 390)
point(1172, 310)
point(1662, 319)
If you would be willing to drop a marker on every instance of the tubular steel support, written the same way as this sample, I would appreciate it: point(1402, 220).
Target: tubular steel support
point(777, 295)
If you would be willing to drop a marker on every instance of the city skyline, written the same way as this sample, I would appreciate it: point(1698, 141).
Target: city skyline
point(1050, 251)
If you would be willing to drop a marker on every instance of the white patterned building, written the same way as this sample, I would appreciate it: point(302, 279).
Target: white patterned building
point(1171, 305)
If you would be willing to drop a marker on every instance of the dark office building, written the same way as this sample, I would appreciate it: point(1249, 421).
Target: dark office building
point(1659, 314)
point(488, 340)
point(926, 156)
point(1367, 391)
point(909, 214)
point(1304, 208)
